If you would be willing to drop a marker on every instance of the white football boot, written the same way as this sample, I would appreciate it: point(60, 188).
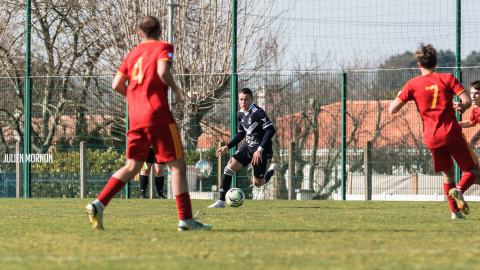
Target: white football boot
point(218, 204)
point(193, 224)
point(95, 213)
point(457, 215)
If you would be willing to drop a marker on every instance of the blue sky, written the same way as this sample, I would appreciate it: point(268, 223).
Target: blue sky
point(370, 31)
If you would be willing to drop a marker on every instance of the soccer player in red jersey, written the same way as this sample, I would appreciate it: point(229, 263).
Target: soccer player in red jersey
point(147, 70)
point(475, 116)
point(433, 94)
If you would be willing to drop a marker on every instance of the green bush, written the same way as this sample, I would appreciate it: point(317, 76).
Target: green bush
point(65, 168)
point(60, 178)
point(98, 161)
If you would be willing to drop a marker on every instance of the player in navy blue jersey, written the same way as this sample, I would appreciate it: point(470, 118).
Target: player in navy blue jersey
point(254, 124)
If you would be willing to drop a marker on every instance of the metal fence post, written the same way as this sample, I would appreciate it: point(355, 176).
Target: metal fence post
point(128, 186)
point(219, 167)
point(458, 71)
point(26, 137)
point(415, 183)
point(27, 93)
point(18, 167)
point(349, 183)
point(367, 152)
point(234, 85)
point(291, 171)
point(83, 168)
point(344, 136)
point(150, 181)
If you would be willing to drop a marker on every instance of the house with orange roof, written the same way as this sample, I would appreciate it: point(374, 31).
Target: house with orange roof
point(367, 120)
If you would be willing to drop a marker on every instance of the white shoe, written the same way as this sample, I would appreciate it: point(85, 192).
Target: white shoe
point(272, 167)
point(457, 215)
point(193, 224)
point(95, 214)
point(218, 204)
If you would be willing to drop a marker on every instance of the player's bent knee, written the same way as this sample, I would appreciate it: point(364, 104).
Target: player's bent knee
point(231, 161)
point(475, 169)
point(258, 182)
point(133, 166)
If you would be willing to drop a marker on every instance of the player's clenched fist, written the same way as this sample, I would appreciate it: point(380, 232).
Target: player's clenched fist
point(459, 107)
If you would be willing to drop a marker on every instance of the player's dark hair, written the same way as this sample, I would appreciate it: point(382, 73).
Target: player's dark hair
point(427, 56)
point(150, 26)
point(476, 85)
point(246, 91)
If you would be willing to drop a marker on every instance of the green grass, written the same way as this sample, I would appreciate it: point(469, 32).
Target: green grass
point(142, 234)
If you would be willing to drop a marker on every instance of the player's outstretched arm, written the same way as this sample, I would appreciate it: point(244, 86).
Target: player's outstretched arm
point(118, 85)
point(163, 71)
point(466, 124)
point(395, 106)
point(236, 140)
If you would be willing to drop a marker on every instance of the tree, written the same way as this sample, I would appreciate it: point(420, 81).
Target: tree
point(11, 62)
point(67, 42)
point(202, 42)
point(472, 60)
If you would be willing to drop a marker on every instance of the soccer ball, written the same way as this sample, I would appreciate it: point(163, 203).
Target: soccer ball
point(235, 197)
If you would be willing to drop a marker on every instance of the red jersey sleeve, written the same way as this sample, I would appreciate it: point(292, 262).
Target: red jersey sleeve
point(406, 94)
point(123, 70)
point(166, 53)
point(475, 116)
point(455, 85)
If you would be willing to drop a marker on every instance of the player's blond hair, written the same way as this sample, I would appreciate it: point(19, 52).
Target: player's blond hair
point(427, 56)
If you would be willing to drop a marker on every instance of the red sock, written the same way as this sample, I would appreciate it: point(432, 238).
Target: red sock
point(467, 180)
point(451, 202)
point(113, 186)
point(184, 206)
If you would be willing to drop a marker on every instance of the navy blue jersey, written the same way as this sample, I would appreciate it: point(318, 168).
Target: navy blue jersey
point(254, 122)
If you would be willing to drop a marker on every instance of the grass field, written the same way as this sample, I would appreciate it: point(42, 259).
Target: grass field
point(142, 234)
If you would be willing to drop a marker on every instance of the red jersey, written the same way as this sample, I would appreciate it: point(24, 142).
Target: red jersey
point(146, 93)
point(433, 95)
point(475, 116)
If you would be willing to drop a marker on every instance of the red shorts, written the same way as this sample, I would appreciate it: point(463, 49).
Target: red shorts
point(164, 139)
point(460, 150)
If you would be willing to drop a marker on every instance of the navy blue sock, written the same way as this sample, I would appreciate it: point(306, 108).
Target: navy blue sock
point(143, 184)
point(225, 186)
point(159, 182)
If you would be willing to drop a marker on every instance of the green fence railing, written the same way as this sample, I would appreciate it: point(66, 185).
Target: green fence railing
point(329, 117)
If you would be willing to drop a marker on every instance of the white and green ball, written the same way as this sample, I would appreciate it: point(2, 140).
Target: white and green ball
point(235, 197)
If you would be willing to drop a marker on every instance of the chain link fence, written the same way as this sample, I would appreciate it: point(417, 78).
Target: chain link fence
point(305, 108)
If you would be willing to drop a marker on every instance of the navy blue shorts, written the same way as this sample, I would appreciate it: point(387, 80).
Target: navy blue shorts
point(151, 158)
point(244, 156)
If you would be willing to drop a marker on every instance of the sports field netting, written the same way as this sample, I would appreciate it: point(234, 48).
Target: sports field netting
point(305, 108)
